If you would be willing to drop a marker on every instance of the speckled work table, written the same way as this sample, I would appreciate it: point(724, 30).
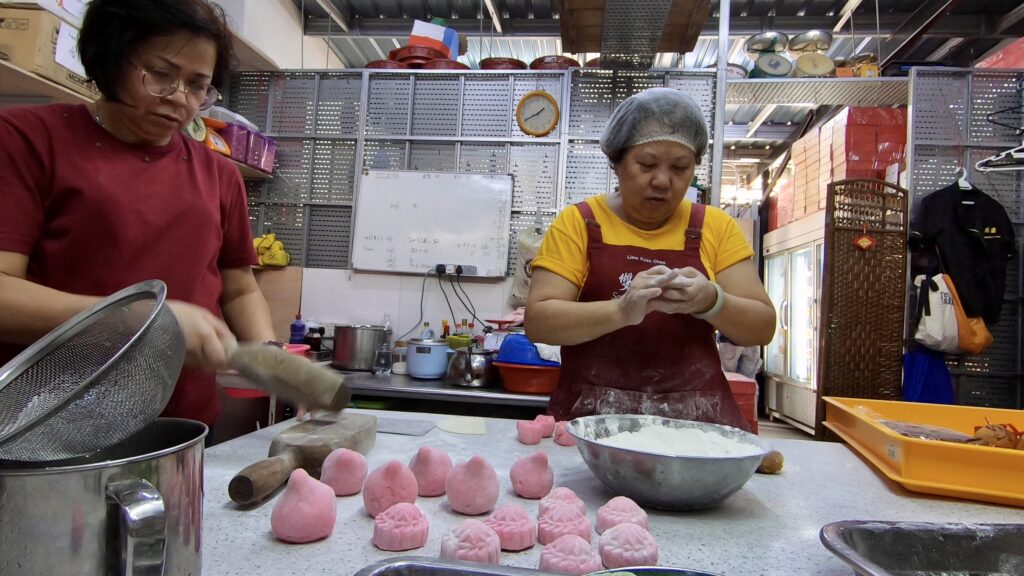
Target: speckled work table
point(769, 527)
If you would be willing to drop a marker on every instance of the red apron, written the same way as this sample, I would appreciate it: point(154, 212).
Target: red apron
point(667, 365)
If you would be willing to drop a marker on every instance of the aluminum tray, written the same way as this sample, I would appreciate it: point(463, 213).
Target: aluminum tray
point(926, 549)
point(426, 566)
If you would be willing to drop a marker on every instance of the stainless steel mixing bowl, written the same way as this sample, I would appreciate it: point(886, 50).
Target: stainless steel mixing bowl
point(658, 480)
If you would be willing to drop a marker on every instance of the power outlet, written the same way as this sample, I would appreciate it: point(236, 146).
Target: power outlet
point(449, 268)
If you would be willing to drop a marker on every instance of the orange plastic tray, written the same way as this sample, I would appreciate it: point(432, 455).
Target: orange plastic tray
point(929, 466)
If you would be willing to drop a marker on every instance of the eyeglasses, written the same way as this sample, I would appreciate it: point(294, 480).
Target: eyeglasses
point(164, 85)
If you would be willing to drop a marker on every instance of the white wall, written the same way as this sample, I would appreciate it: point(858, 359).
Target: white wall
point(349, 297)
point(275, 27)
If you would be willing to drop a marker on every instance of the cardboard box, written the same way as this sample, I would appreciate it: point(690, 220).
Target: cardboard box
point(70, 11)
point(39, 42)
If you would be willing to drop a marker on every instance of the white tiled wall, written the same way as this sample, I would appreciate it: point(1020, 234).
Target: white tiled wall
point(351, 297)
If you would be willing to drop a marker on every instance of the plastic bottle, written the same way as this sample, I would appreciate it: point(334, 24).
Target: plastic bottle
point(298, 331)
point(398, 361)
point(444, 329)
point(428, 332)
point(313, 336)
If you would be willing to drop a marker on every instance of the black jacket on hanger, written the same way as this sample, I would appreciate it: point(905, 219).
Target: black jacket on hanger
point(975, 239)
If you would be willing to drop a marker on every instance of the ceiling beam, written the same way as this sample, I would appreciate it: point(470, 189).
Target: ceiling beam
point(844, 14)
point(948, 48)
point(975, 26)
point(334, 14)
point(759, 119)
point(927, 13)
point(495, 16)
point(764, 132)
point(1011, 20)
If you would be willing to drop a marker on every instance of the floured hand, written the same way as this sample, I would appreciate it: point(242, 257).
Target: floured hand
point(689, 292)
point(643, 289)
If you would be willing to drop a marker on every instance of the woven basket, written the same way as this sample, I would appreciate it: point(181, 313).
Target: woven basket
point(863, 293)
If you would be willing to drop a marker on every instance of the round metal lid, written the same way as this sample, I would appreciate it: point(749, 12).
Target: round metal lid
point(766, 42)
point(810, 41)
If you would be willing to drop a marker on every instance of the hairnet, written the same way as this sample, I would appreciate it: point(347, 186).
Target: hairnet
point(652, 115)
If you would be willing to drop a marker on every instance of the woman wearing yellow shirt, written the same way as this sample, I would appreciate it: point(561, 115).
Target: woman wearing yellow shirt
point(633, 284)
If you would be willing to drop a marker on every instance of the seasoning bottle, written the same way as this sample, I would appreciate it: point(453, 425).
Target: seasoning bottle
point(312, 337)
point(298, 331)
point(398, 362)
point(428, 332)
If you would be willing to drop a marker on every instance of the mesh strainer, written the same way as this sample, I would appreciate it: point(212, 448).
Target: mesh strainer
point(94, 380)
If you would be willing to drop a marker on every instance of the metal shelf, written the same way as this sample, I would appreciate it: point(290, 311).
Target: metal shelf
point(873, 92)
point(250, 172)
point(16, 83)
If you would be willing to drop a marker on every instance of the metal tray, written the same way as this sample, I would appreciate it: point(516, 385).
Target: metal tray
point(927, 549)
point(426, 566)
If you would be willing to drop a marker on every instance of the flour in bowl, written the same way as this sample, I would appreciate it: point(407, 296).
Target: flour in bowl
point(680, 442)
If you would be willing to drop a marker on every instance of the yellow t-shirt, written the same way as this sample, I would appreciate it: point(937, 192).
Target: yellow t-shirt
point(564, 249)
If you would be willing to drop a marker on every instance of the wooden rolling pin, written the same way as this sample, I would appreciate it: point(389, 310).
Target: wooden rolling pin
point(291, 377)
point(304, 445)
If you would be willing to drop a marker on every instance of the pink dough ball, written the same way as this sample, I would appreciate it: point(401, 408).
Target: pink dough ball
point(388, 485)
point(431, 467)
point(529, 431)
point(532, 476)
point(562, 436)
point(344, 470)
point(472, 487)
point(305, 512)
point(548, 422)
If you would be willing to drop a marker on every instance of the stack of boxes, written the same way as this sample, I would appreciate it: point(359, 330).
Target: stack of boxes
point(858, 143)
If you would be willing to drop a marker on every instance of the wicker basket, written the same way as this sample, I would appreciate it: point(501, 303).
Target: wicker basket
point(863, 293)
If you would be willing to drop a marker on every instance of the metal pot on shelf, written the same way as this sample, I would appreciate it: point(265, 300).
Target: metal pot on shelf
point(355, 345)
point(472, 367)
point(135, 508)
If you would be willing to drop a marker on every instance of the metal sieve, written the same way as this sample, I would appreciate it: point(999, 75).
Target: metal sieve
point(94, 380)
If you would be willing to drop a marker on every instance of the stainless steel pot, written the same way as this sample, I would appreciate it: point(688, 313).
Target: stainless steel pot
point(132, 509)
point(354, 345)
point(472, 367)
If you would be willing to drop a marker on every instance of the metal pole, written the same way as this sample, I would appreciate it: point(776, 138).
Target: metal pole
point(718, 148)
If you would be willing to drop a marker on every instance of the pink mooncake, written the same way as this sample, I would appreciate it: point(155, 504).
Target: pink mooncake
point(569, 554)
point(628, 545)
point(557, 521)
point(401, 527)
point(471, 541)
point(532, 476)
point(561, 496)
point(620, 510)
point(514, 527)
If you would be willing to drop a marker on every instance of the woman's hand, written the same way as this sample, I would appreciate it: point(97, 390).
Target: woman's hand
point(643, 289)
point(207, 337)
point(690, 292)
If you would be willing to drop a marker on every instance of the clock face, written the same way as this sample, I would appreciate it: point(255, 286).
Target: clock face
point(537, 113)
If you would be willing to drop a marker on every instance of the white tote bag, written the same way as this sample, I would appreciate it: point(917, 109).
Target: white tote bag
point(936, 326)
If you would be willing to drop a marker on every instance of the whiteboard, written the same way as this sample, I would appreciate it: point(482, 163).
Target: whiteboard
point(410, 221)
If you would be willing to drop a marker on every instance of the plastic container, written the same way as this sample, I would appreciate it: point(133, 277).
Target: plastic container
point(931, 466)
point(517, 349)
point(261, 152)
point(528, 379)
point(298, 331)
point(227, 116)
point(237, 139)
point(297, 349)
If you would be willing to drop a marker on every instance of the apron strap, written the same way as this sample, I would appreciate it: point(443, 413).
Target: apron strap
point(694, 227)
point(594, 237)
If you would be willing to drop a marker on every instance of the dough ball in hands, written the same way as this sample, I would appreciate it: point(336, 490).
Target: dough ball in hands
point(344, 470)
point(401, 527)
point(472, 487)
point(620, 510)
point(471, 541)
point(430, 466)
point(529, 432)
point(388, 485)
point(559, 520)
point(569, 554)
point(548, 422)
point(562, 436)
point(515, 528)
point(559, 496)
point(305, 512)
point(532, 476)
point(628, 545)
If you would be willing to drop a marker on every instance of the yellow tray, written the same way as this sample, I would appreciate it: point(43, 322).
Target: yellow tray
point(930, 466)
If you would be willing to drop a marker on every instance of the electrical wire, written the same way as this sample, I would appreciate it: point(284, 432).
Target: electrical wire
point(470, 308)
point(445, 294)
point(423, 289)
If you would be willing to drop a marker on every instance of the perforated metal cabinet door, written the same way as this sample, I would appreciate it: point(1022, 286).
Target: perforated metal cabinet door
point(291, 180)
point(334, 164)
point(288, 223)
point(435, 107)
point(486, 106)
point(534, 168)
point(590, 104)
point(330, 237)
point(487, 157)
point(338, 104)
point(293, 103)
point(432, 156)
point(250, 96)
point(387, 112)
point(587, 172)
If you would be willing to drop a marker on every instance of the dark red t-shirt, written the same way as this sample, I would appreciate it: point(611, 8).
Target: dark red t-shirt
point(95, 215)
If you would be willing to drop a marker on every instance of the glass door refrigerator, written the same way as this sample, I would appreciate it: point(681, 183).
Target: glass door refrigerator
point(793, 271)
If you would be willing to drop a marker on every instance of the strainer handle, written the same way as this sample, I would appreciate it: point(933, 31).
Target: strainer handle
point(142, 526)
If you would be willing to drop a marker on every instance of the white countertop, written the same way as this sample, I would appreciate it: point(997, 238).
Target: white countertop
point(769, 527)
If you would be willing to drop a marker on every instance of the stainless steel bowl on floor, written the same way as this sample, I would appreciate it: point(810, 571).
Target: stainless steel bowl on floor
point(659, 480)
